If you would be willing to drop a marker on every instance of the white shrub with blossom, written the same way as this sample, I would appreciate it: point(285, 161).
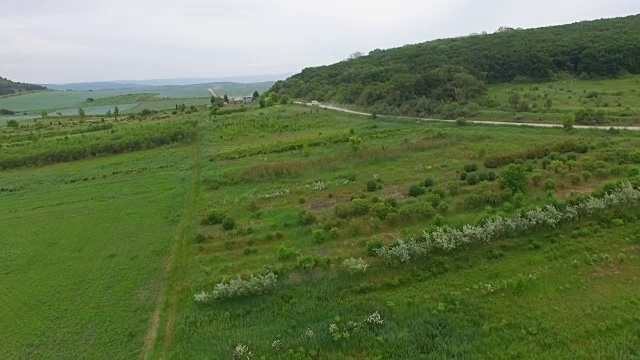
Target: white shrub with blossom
point(447, 239)
point(239, 287)
point(355, 265)
point(241, 352)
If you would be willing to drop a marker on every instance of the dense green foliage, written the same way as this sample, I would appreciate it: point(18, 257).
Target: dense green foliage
point(423, 78)
point(8, 87)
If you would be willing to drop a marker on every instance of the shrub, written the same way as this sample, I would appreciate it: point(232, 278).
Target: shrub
point(483, 176)
point(472, 179)
point(536, 179)
point(306, 262)
point(471, 168)
point(415, 190)
point(463, 176)
point(372, 185)
point(428, 182)
point(215, 217)
point(549, 184)
point(589, 117)
point(586, 175)
point(287, 253)
point(239, 287)
point(373, 245)
point(492, 176)
point(318, 236)
point(355, 265)
point(306, 217)
point(575, 179)
point(454, 188)
point(514, 177)
point(228, 223)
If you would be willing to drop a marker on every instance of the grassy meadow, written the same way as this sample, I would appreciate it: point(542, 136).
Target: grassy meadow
point(619, 99)
point(108, 239)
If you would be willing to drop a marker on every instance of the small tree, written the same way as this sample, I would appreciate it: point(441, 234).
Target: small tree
point(514, 178)
point(81, 113)
point(116, 111)
point(12, 123)
point(284, 100)
point(354, 143)
point(226, 98)
point(262, 102)
point(44, 115)
point(256, 95)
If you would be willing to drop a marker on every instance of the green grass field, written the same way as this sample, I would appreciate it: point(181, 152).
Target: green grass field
point(618, 98)
point(104, 255)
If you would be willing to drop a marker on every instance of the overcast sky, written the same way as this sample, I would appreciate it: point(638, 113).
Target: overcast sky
point(54, 41)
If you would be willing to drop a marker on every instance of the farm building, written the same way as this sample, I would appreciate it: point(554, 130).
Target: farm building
point(248, 99)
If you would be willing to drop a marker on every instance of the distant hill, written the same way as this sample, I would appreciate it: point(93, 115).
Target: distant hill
point(154, 83)
point(429, 75)
point(8, 87)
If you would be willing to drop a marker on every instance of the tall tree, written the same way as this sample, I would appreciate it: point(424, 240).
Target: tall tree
point(116, 111)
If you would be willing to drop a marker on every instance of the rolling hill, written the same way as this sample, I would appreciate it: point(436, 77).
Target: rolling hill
point(8, 87)
point(430, 75)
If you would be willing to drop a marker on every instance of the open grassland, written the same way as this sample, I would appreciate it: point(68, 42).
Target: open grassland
point(299, 197)
point(295, 191)
point(619, 99)
point(83, 250)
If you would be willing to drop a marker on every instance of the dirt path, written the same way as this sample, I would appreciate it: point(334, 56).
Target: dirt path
point(167, 301)
point(482, 122)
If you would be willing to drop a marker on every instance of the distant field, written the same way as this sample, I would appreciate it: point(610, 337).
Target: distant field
point(4, 119)
point(51, 100)
point(167, 104)
point(95, 110)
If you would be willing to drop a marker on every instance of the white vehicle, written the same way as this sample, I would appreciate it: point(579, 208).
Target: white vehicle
point(315, 103)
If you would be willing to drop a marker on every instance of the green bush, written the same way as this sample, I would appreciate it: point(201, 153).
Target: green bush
point(575, 179)
point(415, 190)
point(463, 176)
point(514, 177)
point(228, 223)
point(287, 253)
point(428, 182)
point(215, 217)
point(483, 176)
point(536, 179)
point(472, 179)
point(372, 185)
point(471, 168)
point(306, 217)
point(550, 184)
point(318, 236)
point(492, 176)
point(373, 245)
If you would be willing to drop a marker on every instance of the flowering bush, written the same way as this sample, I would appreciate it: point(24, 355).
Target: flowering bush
point(239, 287)
point(355, 265)
point(447, 239)
point(241, 352)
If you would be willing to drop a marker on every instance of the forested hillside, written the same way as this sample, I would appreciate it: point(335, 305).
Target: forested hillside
point(8, 87)
point(433, 74)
